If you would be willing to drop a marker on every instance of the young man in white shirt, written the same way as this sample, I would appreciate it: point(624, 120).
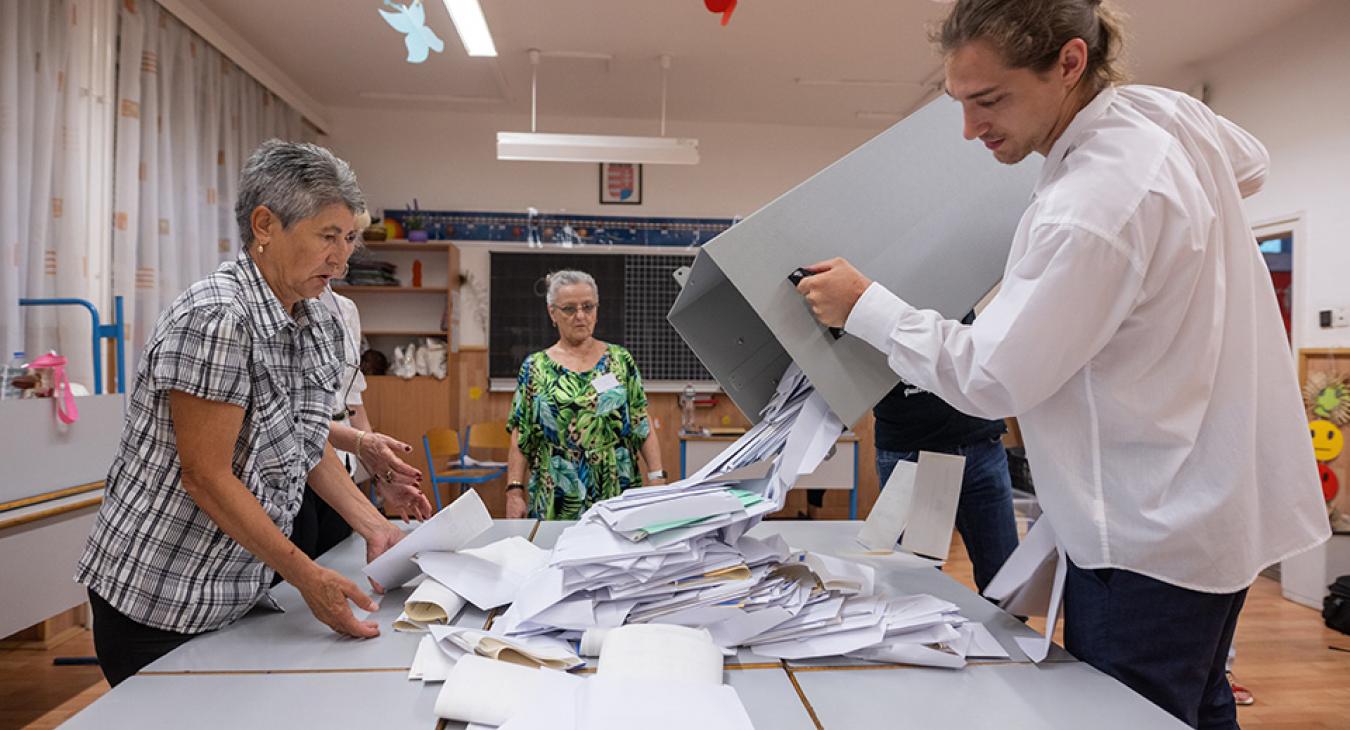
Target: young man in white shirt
point(1136, 337)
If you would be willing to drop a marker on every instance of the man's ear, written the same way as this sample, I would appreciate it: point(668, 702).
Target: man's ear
point(1072, 63)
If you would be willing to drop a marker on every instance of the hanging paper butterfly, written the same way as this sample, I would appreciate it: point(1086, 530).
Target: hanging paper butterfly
point(411, 20)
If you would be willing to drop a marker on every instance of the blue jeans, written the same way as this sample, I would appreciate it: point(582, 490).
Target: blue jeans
point(1167, 643)
point(984, 515)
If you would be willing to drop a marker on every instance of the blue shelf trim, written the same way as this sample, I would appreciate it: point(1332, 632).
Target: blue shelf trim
point(591, 229)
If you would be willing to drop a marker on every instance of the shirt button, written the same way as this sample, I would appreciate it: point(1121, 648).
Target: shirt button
point(297, 419)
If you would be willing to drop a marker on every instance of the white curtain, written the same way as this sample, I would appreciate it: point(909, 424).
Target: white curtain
point(187, 118)
point(55, 144)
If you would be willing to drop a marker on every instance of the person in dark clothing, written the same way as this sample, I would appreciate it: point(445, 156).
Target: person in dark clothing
point(910, 420)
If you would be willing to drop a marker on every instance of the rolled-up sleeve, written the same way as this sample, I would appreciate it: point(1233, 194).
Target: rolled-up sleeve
point(1056, 309)
point(203, 353)
point(1248, 156)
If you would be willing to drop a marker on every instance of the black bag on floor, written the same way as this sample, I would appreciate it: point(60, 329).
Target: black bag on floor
point(1336, 607)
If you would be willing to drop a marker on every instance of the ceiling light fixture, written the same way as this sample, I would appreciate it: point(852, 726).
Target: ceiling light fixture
point(889, 116)
point(879, 83)
point(472, 27)
point(534, 146)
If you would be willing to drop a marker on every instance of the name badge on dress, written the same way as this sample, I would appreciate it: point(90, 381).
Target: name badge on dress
point(605, 383)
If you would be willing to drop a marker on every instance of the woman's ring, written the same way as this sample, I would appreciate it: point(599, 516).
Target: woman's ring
point(389, 475)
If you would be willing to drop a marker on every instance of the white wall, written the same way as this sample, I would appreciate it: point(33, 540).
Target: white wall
point(1288, 87)
point(448, 161)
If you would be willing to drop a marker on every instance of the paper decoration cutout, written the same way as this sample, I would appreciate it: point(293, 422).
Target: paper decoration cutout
point(725, 7)
point(1330, 484)
point(411, 20)
point(1327, 440)
point(1327, 395)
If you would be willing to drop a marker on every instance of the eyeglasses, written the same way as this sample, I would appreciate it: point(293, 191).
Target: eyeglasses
point(571, 310)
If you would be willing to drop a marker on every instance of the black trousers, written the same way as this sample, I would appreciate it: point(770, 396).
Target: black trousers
point(1165, 642)
point(318, 527)
point(125, 646)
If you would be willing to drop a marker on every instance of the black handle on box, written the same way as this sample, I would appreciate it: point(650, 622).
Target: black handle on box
point(796, 278)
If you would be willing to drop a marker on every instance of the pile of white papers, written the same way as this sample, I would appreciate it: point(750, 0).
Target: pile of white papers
point(679, 555)
point(671, 558)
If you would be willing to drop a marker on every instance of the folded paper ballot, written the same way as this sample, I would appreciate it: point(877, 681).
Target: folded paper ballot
point(534, 651)
point(661, 653)
point(407, 625)
point(1031, 583)
point(450, 529)
point(490, 692)
point(431, 602)
point(919, 500)
point(430, 663)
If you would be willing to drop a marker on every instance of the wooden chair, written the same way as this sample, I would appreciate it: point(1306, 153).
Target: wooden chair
point(490, 435)
point(443, 450)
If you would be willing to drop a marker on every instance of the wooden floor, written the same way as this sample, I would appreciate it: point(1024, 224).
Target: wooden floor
point(1283, 657)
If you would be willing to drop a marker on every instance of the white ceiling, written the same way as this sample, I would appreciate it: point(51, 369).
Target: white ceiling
point(342, 54)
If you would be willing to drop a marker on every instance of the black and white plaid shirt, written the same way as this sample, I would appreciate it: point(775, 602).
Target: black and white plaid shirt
point(153, 554)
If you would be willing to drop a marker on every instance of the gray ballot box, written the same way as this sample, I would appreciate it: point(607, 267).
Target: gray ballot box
point(918, 208)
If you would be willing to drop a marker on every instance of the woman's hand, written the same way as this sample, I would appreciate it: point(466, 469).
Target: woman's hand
point(405, 500)
point(377, 543)
point(516, 508)
point(380, 455)
point(326, 592)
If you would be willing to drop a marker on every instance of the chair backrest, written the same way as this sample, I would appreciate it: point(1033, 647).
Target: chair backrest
point(489, 435)
point(441, 442)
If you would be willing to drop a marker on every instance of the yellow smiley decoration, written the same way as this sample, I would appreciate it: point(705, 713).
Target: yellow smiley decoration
point(1327, 440)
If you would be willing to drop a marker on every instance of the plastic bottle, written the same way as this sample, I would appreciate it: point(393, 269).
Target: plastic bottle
point(687, 409)
point(13, 369)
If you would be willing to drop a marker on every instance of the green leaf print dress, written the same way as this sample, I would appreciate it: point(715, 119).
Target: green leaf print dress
point(582, 445)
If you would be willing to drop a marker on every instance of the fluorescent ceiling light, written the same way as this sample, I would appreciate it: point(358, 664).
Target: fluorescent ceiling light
point(546, 147)
point(471, 26)
point(893, 116)
point(881, 83)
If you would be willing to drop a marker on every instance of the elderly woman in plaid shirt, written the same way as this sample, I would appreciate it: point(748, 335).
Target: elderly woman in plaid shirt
point(228, 420)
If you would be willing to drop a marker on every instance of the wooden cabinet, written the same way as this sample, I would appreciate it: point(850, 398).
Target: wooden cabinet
point(406, 409)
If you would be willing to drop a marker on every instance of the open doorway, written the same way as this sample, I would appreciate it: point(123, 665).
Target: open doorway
point(1277, 248)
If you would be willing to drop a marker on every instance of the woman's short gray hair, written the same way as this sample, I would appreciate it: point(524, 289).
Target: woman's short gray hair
point(568, 277)
point(295, 180)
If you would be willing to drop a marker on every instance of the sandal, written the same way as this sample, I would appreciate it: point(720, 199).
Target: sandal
point(1241, 695)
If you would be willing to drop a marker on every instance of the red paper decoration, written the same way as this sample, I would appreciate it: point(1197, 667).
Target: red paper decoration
point(725, 7)
point(1330, 485)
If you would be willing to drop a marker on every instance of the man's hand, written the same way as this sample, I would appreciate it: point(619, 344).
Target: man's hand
point(378, 542)
point(515, 504)
point(832, 290)
point(326, 592)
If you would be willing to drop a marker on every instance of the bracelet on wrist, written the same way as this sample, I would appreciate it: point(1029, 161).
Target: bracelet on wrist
point(515, 485)
point(656, 474)
point(360, 436)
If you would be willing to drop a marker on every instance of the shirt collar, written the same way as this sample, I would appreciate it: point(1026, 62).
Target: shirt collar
point(1081, 121)
point(267, 315)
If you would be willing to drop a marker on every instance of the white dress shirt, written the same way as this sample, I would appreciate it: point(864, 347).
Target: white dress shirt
point(1137, 339)
point(352, 382)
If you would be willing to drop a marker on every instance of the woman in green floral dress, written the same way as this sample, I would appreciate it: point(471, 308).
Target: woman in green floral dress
point(579, 416)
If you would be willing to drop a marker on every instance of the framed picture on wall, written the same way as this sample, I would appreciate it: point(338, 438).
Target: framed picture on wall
point(620, 183)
